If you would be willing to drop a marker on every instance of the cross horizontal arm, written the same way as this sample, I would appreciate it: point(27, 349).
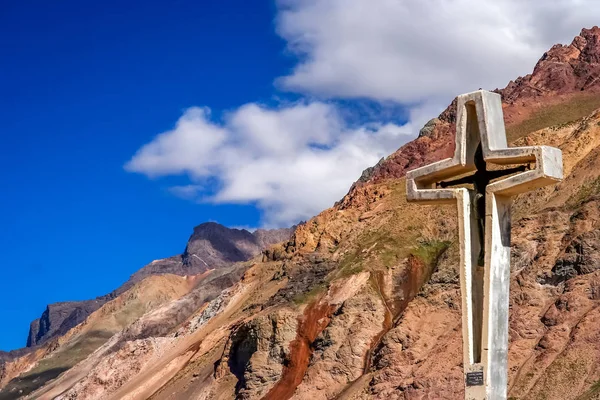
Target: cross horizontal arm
point(548, 169)
point(420, 182)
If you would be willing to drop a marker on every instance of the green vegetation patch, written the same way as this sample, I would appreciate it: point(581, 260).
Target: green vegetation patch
point(54, 365)
point(349, 270)
point(584, 194)
point(592, 393)
point(20, 387)
point(559, 115)
point(307, 297)
point(379, 248)
point(73, 353)
point(429, 251)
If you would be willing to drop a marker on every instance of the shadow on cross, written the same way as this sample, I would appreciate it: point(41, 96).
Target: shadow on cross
point(480, 180)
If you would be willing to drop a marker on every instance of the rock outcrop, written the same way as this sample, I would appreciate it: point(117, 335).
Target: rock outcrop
point(562, 88)
point(210, 246)
point(58, 318)
point(213, 245)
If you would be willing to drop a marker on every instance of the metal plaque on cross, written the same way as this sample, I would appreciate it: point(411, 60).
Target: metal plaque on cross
point(483, 198)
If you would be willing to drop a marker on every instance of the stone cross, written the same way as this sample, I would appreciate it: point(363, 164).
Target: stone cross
point(484, 228)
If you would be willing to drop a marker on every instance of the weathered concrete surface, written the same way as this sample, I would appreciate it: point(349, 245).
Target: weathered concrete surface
point(485, 291)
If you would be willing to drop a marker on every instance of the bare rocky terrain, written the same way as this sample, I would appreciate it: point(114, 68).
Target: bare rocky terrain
point(363, 301)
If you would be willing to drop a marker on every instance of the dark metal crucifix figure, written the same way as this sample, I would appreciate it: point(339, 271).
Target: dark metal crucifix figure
point(480, 180)
point(484, 228)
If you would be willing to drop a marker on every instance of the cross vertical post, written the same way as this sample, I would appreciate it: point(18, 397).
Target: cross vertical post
point(484, 228)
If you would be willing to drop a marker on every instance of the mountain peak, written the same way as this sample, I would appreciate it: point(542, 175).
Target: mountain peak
point(210, 246)
point(215, 227)
point(562, 70)
point(214, 245)
point(566, 75)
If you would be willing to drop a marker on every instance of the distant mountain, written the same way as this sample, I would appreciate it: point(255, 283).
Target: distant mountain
point(9, 355)
point(213, 245)
point(58, 318)
point(210, 246)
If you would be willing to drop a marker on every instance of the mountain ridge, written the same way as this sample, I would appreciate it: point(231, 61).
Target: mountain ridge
point(219, 245)
point(563, 74)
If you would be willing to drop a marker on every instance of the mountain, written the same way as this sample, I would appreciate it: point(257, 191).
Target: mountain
point(363, 302)
point(213, 245)
point(210, 246)
point(58, 318)
point(562, 88)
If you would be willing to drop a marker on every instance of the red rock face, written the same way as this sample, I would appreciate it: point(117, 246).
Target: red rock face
point(562, 72)
point(316, 318)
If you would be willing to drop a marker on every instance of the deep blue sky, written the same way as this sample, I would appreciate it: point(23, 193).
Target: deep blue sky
point(83, 84)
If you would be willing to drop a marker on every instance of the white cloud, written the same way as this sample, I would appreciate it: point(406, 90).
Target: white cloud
point(414, 51)
point(292, 162)
point(186, 192)
point(177, 151)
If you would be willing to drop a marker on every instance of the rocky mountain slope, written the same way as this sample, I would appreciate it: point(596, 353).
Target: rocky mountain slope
point(213, 245)
point(363, 302)
point(210, 246)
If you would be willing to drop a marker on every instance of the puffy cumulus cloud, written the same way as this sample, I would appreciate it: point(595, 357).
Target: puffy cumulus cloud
point(414, 51)
point(177, 151)
point(292, 162)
